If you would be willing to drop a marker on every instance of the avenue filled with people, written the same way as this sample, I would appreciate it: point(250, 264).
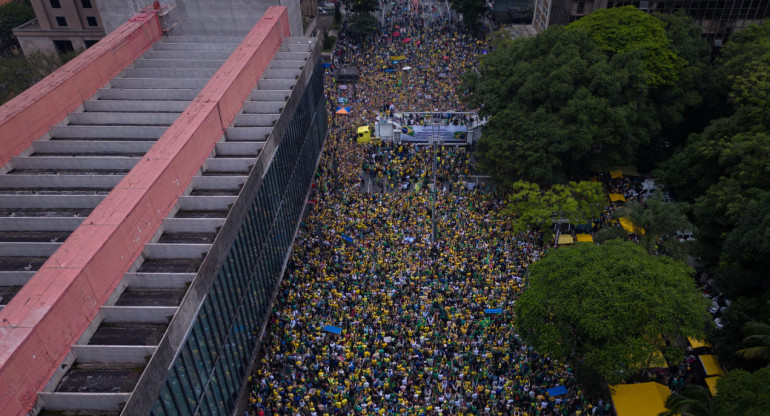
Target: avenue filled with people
point(378, 315)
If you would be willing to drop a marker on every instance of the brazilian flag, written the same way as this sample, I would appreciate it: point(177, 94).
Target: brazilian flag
point(409, 131)
point(460, 135)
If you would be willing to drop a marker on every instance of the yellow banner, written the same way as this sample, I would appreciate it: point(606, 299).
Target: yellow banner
point(397, 58)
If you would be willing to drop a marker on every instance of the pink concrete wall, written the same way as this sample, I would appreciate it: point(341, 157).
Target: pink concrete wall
point(52, 310)
point(31, 114)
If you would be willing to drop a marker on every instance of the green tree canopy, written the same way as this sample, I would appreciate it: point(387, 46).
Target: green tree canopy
point(530, 206)
point(361, 6)
point(559, 107)
point(625, 29)
point(741, 393)
point(601, 307)
point(362, 25)
point(13, 15)
point(658, 220)
point(743, 48)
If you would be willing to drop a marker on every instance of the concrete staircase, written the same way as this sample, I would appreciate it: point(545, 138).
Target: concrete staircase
point(117, 346)
point(46, 192)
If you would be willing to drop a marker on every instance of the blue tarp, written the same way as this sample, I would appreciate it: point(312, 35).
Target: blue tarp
point(557, 391)
point(493, 311)
point(327, 65)
point(346, 238)
point(333, 329)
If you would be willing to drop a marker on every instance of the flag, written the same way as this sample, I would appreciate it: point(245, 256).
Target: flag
point(460, 135)
point(408, 130)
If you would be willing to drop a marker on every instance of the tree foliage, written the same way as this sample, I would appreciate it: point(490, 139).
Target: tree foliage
point(625, 29)
point(741, 393)
point(601, 306)
point(658, 219)
point(362, 25)
point(559, 107)
point(13, 15)
point(361, 6)
point(531, 206)
point(694, 401)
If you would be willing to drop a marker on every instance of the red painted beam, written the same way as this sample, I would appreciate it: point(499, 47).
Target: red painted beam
point(51, 311)
point(31, 114)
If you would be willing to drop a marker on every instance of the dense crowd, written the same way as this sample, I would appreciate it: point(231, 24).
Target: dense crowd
point(427, 325)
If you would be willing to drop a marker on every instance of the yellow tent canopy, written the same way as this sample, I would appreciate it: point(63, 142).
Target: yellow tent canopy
point(617, 197)
point(584, 238)
point(643, 399)
point(616, 174)
point(711, 383)
point(565, 239)
point(630, 227)
point(711, 365)
point(697, 343)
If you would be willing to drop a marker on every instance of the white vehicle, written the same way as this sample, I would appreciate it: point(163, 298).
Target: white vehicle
point(649, 188)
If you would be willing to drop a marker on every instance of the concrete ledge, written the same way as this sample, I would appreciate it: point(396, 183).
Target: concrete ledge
point(138, 314)
point(158, 280)
point(123, 354)
point(50, 201)
point(95, 402)
point(28, 116)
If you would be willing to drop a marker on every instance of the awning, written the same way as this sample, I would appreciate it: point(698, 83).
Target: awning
point(616, 174)
point(643, 399)
point(584, 238)
point(711, 365)
point(711, 383)
point(697, 343)
point(630, 227)
point(617, 197)
point(343, 110)
point(565, 239)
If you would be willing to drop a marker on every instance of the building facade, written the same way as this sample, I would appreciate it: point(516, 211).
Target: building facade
point(61, 26)
point(151, 193)
point(719, 18)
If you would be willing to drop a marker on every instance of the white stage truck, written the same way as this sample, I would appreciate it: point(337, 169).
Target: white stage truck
point(449, 128)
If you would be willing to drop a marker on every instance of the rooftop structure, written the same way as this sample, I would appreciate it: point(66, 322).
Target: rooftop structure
point(150, 191)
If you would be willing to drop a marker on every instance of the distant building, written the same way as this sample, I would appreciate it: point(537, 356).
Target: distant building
point(61, 26)
point(718, 18)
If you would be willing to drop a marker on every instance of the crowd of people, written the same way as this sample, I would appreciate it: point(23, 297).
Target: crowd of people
point(377, 313)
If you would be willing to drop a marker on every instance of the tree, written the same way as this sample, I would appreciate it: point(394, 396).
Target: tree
point(741, 393)
point(624, 29)
point(470, 9)
point(658, 219)
point(529, 206)
point(694, 401)
point(743, 48)
point(757, 341)
point(13, 15)
point(600, 307)
point(752, 86)
point(362, 25)
point(361, 6)
point(559, 107)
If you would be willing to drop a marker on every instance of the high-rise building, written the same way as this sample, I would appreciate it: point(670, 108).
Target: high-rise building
point(150, 192)
point(719, 18)
point(61, 26)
